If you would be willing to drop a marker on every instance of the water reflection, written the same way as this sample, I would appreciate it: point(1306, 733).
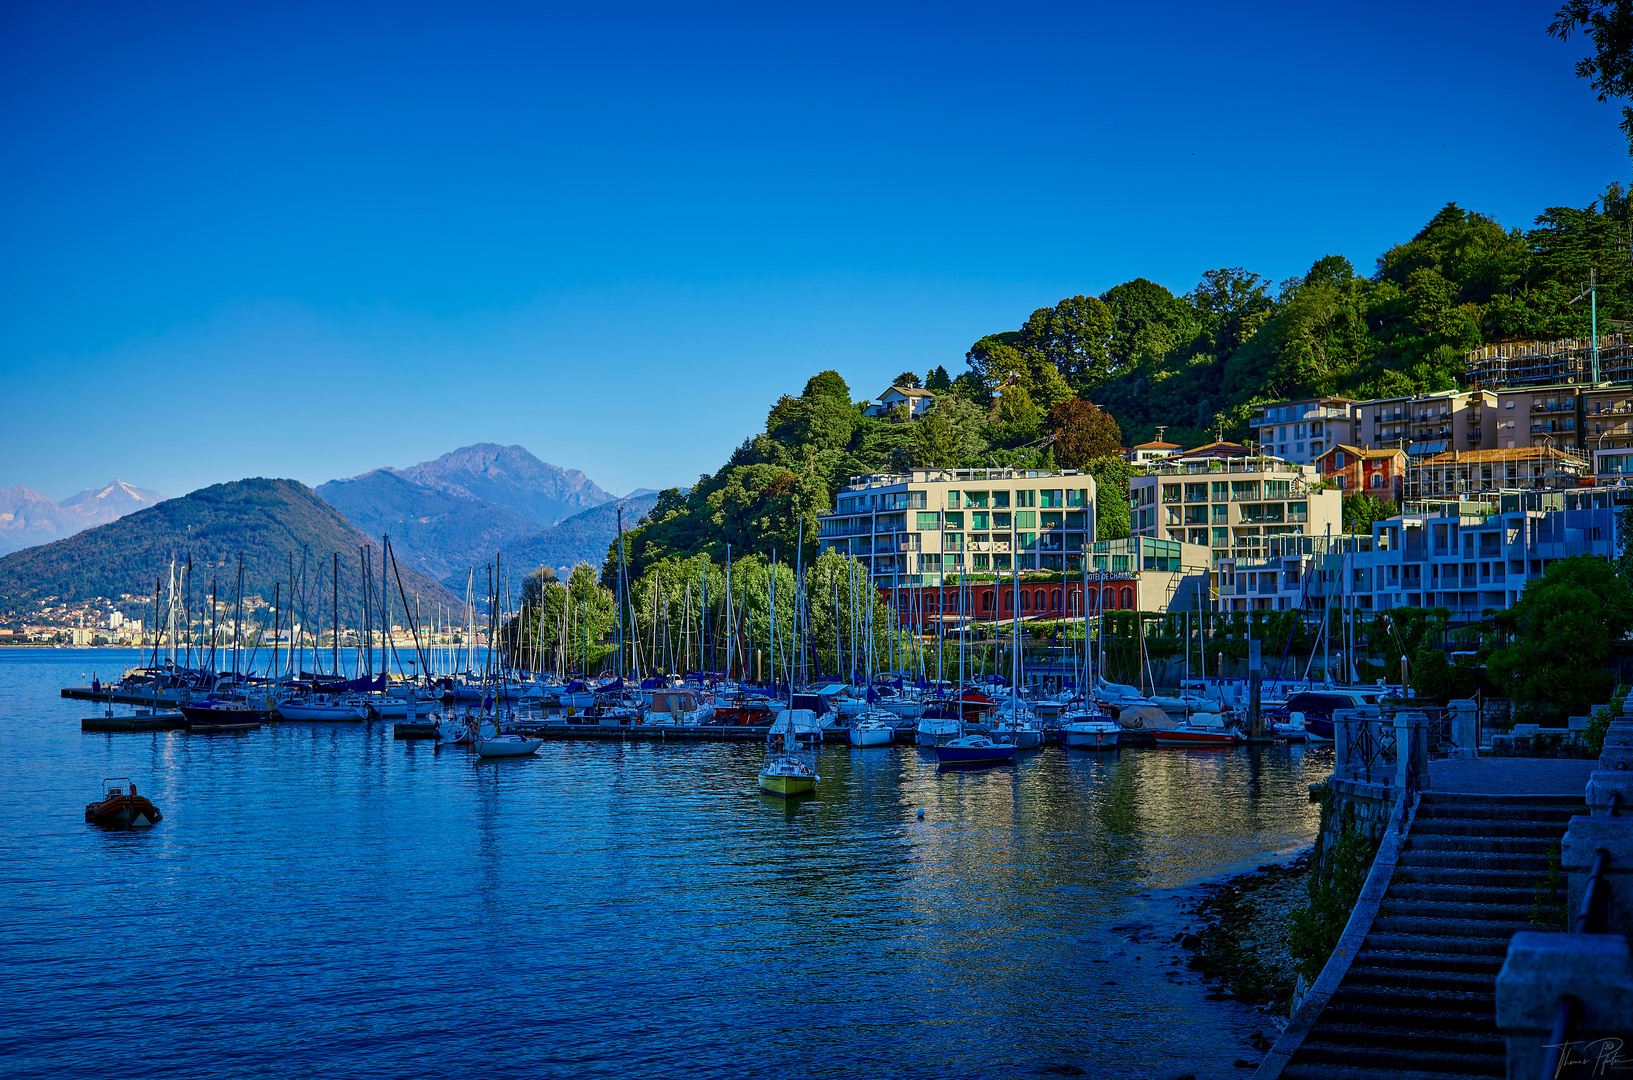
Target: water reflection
point(327, 899)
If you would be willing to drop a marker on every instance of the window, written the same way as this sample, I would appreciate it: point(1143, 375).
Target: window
point(986, 597)
point(1170, 492)
point(1221, 538)
point(1077, 496)
point(953, 500)
point(1026, 601)
point(1196, 492)
point(980, 519)
point(1028, 519)
point(1000, 562)
point(1244, 490)
point(928, 520)
point(975, 499)
point(983, 562)
point(1057, 497)
point(1028, 540)
point(952, 541)
point(1221, 514)
point(1000, 499)
point(1377, 480)
point(1050, 520)
point(1026, 498)
point(1000, 521)
point(980, 538)
point(1074, 519)
point(1221, 491)
point(1054, 600)
point(955, 520)
point(1338, 459)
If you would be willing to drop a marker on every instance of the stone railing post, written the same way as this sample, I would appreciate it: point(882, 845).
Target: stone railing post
point(1465, 728)
point(1596, 969)
point(1411, 746)
point(1583, 840)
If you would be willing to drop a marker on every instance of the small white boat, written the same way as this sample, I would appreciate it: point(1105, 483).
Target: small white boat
point(790, 765)
point(1292, 729)
point(507, 746)
point(322, 708)
point(937, 731)
point(677, 707)
point(1090, 731)
point(1200, 729)
point(873, 729)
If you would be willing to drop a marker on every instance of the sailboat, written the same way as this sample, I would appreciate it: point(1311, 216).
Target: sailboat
point(1015, 722)
point(790, 765)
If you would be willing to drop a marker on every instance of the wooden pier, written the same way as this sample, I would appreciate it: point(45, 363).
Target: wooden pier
point(149, 722)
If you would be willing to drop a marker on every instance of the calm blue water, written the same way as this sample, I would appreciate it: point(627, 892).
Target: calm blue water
point(325, 901)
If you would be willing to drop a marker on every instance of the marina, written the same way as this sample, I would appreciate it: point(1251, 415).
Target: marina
point(607, 865)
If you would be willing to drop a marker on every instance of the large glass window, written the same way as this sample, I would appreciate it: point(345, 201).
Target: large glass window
point(1050, 520)
point(1196, 492)
point(980, 519)
point(1077, 496)
point(1026, 498)
point(1221, 514)
point(975, 499)
point(1171, 492)
point(1000, 499)
point(929, 519)
point(1221, 491)
point(1075, 518)
point(1027, 539)
point(1028, 519)
point(955, 520)
point(1244, 490)
point(952, 541)
point(1057, 497)
point(1000, 521)
point(953, 500)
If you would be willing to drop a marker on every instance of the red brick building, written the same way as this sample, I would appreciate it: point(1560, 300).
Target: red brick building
point(1379, 473)
point(920, 607)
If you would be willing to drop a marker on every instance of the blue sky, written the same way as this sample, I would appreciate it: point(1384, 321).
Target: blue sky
point(309, 240)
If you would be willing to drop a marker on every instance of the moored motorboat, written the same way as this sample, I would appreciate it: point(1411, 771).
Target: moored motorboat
point(974, 750)
point(322, 707)
point(935, 730)
point(1090, 731)
point(1199, 729)
point(213, 716)
point(122, 809)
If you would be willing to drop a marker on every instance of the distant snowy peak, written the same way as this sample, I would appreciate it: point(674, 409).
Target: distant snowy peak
point(112, 501)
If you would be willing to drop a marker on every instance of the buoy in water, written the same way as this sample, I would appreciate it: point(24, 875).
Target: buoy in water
point(921, 815)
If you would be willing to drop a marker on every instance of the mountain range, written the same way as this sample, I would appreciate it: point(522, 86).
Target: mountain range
point(447, 515)
point(273, 522)
point(581, 538)
point(28, 518)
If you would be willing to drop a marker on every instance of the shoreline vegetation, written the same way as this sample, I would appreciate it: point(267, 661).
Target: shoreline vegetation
point(1244, 938)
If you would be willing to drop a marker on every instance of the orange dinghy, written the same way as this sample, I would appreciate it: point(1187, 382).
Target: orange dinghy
point(120, 809)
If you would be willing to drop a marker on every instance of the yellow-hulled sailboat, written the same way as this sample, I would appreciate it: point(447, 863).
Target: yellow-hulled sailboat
point(790, 762)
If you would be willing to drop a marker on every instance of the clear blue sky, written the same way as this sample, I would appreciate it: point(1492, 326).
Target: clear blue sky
point(309, 240)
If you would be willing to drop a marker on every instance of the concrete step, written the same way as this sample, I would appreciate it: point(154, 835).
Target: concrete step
point(1439, 799)
point(1428, 1024)
point(1467, 895)
point(1319, 1060)
point(1368, 971)
point(1559, 813)
point(1450, 927)
point(1411, 858)
point(1480, 999)
point(1495, 844)
point(1455, 909)
point(1461, 826)
point(1367, 1046)
point(1390, 941)
point(1463, 877)
point(1350, 1072)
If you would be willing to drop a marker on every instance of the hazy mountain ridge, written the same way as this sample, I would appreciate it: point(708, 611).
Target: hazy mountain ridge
point(28, 518)
point(582, 538)
point(269, 520)
point(510, 477)
point(436, 531)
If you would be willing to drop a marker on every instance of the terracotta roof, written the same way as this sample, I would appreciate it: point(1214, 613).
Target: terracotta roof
point(1357, 451)
point(1156, 445)
point(1518, 453)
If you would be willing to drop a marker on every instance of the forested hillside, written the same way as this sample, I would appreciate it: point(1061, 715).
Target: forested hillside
point(1196, 363)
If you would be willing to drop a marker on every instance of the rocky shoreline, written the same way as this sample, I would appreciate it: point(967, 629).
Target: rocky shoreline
point(1241, 942)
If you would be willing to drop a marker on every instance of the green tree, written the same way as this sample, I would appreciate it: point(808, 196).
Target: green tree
point(1016, 419)
point(1609, 71)
point(938, 381)
point(1560, 634)
point(1083, 432)
point(1360, 511)
point(1111, 510)
point(907, 380)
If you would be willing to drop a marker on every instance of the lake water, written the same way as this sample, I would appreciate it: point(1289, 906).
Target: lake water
point(326, 901)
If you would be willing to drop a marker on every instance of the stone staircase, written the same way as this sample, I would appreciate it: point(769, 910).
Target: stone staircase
point(1419, 997)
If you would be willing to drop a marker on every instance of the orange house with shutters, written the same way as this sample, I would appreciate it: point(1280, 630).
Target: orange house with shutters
point(1379, 473)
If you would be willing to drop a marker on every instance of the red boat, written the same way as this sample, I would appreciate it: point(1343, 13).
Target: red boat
point(1196, 736)
point(120, 809)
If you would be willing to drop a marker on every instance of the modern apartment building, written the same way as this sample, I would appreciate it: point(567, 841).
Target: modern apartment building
point(1428, 423)
point(912, 528)
point(1232, 502)
point(1300, 431)
point(1460, 555)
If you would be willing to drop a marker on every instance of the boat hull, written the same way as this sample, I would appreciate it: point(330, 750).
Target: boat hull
point(786, 786)
point(873, 736)
point(123, 812)
point(974, 755)
point(1092, 740)
point(1195, 738)
point(321, 714)
point(499, 748)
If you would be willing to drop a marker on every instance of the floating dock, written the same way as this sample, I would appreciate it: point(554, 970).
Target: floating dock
point(151, 722)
